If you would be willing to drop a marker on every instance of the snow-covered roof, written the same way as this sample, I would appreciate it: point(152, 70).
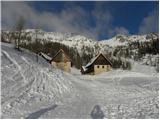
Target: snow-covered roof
point(45, 56)
point(92, 61)
point(84, 68)
point(59, 56)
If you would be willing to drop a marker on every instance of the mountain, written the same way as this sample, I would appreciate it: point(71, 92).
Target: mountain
point(142, 48)
point(68, 39)
point(122, 40)
point(137, 47)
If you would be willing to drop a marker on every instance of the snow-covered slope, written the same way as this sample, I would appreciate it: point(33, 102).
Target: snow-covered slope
point(81, 43)
point(27, 84)
point(124, 40)
point(78, 41)
point(69, 39)
point(113, 42)
point(142, 48)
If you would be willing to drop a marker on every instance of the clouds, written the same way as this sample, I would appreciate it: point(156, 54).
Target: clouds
point(97, 23)
point(150, 23)
point(103, 19)
point(12, 11)
point(118, 30)
point(70, 19)
point(65, 21)
point(104, 22)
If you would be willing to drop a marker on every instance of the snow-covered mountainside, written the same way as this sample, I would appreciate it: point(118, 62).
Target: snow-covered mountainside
point(33, 89)
point(142, 48)
point(27, 83)
point(69, 39)
point(80, 42)
point(76, 40)
point(121, 40)
point(136, 47)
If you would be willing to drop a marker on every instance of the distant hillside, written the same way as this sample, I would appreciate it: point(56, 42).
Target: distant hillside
point(82, 49)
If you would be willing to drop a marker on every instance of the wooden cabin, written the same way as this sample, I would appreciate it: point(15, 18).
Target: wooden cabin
point(61, 61)
point(97, 65)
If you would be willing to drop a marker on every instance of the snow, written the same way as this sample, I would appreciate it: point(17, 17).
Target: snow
point(150, 59)
point(115, 41)
point(45, 56)
point(89, 63)
point(26, 83)
point(144, 109)
point(75, 71)
point(84, 68)
point(69, 39)
point(144, 69)
point(34, 89)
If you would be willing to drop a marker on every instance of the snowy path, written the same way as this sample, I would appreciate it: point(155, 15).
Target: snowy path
point(79, 106)
point(101, 92)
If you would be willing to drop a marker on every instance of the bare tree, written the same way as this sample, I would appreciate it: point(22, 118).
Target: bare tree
point(36, 40)
point(19, 27)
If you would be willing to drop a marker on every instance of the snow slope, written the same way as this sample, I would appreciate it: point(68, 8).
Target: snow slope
point(26, 82)
point(69, 39)
point(32, 89)
point(113, 42)
point(124, 40)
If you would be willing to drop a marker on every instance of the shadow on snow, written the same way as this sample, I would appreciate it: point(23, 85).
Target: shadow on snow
point(97, 113)
point(37, 114)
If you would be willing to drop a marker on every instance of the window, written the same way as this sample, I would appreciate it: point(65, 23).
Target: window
point(102, 66)
point(98, 66)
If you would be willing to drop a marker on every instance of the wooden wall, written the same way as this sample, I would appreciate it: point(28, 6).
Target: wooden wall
point(66, 66)
point(101, 68)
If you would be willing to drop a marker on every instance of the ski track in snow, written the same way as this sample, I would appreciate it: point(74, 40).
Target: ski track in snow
point(14, 62)
point(42, 92)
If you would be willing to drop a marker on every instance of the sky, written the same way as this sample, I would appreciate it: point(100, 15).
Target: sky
point(94, 19)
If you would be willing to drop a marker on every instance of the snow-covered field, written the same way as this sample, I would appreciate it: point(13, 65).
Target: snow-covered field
point(32, 89)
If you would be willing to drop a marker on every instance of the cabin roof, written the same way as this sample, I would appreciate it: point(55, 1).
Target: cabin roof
point(45, 56)
point(59, 55)
point(93, 60)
